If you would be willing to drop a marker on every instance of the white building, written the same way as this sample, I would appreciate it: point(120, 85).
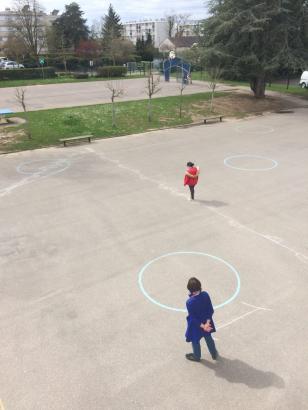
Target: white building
point(8, 15)
point(159, 30)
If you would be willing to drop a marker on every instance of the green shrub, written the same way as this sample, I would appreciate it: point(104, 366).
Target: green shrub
point(80, 75)
point(111, 71)
point(27, 73)
point(64, 74)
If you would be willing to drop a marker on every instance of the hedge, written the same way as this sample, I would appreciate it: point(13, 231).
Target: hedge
point(111, 71)
point(80, 75)
point(27, 73)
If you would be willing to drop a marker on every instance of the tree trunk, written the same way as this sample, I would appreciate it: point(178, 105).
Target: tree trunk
point(64, 63)
point(257, 85)
point(181, 98)
point(113, 112)
point(149, 110)
point(113, 116)
point(212, 97)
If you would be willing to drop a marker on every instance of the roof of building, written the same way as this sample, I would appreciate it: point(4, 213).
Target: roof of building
point(184, 42)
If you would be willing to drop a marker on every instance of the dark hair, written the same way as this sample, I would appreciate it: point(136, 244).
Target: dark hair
point(194, 285)
point(190, 164)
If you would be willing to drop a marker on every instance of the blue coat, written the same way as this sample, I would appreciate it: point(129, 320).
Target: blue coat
point(200, 309)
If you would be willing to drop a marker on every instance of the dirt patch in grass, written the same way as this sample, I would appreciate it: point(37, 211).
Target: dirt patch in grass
point(239, 105)
point(9, 137)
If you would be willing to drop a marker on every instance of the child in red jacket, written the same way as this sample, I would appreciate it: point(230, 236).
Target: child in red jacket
point(191, 178)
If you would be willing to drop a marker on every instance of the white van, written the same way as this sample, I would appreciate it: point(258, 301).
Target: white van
point(304, 80)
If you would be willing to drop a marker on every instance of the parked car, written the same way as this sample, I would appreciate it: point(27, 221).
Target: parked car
point(7, 65)
point(304, 80)
point(2, 60)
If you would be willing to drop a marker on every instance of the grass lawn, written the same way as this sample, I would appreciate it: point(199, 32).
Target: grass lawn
point(281, 88)
point(58, 80)
point(48, 126)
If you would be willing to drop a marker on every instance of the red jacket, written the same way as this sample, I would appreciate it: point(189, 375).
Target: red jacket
point(191, 181)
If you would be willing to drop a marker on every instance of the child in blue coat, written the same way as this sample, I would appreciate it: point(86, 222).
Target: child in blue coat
point(199, 320)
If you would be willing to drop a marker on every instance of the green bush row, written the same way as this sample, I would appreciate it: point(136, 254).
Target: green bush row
point(80, 76)
point(27, 73)
point(111, 71)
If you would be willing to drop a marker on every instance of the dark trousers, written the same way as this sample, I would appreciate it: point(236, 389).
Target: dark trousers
point(192, 191)
point(210, 345)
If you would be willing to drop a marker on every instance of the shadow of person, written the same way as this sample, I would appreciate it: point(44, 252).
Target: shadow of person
point(213, 203)
point(236, 371)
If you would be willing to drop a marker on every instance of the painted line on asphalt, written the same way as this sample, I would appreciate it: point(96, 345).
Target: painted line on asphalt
point(45, 167)
point(32, 177)
point(219, 327)
point(151, 299)
point(227, 164)
point(277, 241)
point(256, 309)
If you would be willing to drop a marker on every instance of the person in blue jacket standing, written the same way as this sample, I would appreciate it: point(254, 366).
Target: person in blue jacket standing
point(199, 321)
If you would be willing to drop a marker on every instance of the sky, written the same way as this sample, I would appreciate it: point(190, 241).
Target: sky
point(129, 10)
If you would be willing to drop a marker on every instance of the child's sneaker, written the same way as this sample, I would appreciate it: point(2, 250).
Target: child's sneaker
point(215, 356)
point(192, 357)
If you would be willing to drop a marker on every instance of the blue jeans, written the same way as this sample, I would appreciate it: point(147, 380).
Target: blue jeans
point(210, 345)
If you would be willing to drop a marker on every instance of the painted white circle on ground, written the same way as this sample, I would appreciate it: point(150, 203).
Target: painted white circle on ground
point(255, 129)
point(43, 167)
point(227, 265)
point(234, 162)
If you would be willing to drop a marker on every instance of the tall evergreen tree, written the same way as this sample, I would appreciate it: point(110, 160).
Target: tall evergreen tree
point(293, 54)
point(70, 27)
point(140, 47)
point(249, 38)
point(112, 27)
point(149, 48)
point(145, 48)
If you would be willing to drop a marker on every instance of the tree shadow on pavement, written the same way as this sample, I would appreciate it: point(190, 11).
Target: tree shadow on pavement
point(236, 371)
point(213, 203)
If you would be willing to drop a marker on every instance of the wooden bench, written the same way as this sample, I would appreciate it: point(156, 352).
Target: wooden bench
point(220, 117)
point(76, 139)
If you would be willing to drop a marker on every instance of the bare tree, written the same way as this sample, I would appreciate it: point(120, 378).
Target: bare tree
point(55, 45)
point(96, 29)
point(214, 74)
point(181, 21)
point(182, 86)
point(116, 91)
point(171, 23)
point(27, 24)
point(176, 24)
point(15, 48)
point(120, 51)
point(152, 87)
point(20, 97)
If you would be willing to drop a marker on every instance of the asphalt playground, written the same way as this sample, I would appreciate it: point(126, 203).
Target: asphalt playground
point(98, 241)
